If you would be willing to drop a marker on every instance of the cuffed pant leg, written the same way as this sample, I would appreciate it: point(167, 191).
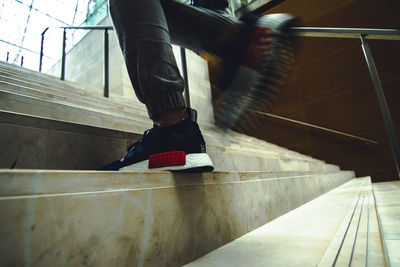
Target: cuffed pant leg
point(144, 38)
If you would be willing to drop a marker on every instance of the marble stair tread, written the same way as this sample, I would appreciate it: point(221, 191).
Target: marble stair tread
point(217, 135)
point(10, 70)
point(248, 141)
point(71, 90)
point(117, 111)
point(51, 93)
point(387, 197)
point(224, 158)
point(77, 102)
point(233, 145)
point(260, 150)
point(28, 74)
point(17, 71)
point(242, 161)
point(357, 241)
point(53, 84)
point(104, 219)
point(36, 182)
point(131, 116)
point(304, 236)
point(123, 112)
point(67, 112)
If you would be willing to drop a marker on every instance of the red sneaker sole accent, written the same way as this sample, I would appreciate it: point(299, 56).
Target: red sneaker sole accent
point(260, 41)
point(166, 159)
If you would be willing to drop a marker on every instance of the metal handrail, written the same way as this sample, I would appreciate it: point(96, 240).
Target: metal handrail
point(362, 139)
point(106, 50)
point(355, 33)
point(363, 34)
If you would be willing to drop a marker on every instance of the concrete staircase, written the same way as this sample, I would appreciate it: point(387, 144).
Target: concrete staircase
point(356, 224)
point(57, 211)
point(339, 228)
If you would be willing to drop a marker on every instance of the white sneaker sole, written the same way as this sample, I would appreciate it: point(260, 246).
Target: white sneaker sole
point(195, 161)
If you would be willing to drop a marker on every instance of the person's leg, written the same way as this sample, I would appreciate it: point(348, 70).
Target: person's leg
point(257, 54)
point(146, 29)
point(144, 38)
point(202, 30)
point(175, 142)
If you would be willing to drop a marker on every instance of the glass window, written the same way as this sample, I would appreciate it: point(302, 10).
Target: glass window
point(23, 21)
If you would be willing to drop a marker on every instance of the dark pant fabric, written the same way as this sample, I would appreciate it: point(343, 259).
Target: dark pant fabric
point(146, 29)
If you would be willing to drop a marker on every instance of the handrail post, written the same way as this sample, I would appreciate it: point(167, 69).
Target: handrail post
point(382, 103)
point(41, 49)
point(106, 64)
point(185, 76)
point(63, 55)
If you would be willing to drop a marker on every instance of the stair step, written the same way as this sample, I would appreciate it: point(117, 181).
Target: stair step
point(39, 91)
point(25, 75)
point(67, 112)
point(311, 234)
point(146, 219)
point(232, 139)
point(27, 96)
point(74, 94)
point(130, 218)
point(52, 91)
point(357, 242)
point(35, 142)
point(28, 92)
point(12, 70)
point(32, 182)
point(387, 197)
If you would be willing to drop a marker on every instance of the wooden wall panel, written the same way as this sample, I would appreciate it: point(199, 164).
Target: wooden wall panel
point(330, 86)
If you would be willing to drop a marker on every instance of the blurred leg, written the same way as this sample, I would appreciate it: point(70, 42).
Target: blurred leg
point(201, 30)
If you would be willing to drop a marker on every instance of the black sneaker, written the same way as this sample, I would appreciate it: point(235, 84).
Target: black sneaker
point(179, 147)
point(254, 75)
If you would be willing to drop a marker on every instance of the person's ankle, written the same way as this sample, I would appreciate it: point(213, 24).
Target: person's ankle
point(169, 118)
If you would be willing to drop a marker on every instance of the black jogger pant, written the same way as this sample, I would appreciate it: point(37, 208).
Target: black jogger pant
point(146, 29)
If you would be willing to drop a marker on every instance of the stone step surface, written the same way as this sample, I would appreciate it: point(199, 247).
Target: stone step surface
point(357, 241)
point(45, 91)
point(19, 103)
point(22, 104)
point(38, 83)
point(50, 144)
point(387, 197)
point(39, 94)
point(32, 93)
point(40, 91)
point(140, 219)
point(47, 81)
point(339, 228)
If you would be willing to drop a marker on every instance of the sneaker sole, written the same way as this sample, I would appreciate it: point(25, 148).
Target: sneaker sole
point(194, 163)
point(251, 90)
